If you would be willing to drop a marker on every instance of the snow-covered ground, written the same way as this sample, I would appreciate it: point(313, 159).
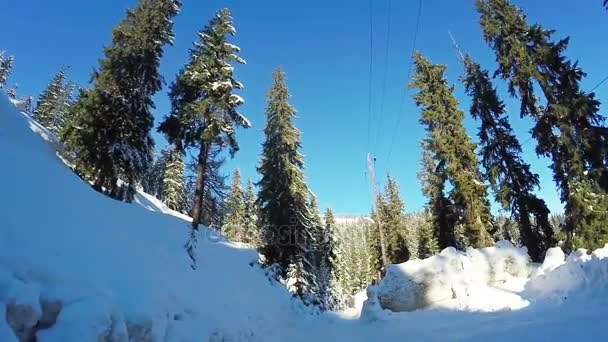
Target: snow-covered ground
point(77, 266)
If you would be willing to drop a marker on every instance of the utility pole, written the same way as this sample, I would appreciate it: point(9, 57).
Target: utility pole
point(372, 177)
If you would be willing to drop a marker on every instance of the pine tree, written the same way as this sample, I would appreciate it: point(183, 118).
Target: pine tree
point(568, 127)
point(6, 66)
point(285, 217)
point(152, 182)
point(397, 235)
point(510, 177)
point(433, 178)
point(110, 134)
point(427, 242)
point(53, 106)
point(234, 208)
point(451, 144)
point(204, 108)
point(172, 186)
point(327, 293)
point(250, 218)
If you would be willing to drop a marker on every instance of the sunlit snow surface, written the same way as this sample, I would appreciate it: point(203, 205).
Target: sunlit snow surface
point(115, 270)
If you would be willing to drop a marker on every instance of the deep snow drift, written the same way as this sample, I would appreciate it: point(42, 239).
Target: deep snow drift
point(77, 266)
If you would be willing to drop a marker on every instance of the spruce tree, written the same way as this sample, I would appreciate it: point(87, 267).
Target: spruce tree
point(450, 142)
point(53, 106)
point(510, 177)
point(234, 208)
point(152, 182)
point(568, 127)
point(172, 186)
point(6, 66)
point(110, 134)
point(285, 217)
point(250, 218)
point(204, 108)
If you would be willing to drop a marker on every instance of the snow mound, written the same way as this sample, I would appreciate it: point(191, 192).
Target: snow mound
point(580, 276)
point(453, 279)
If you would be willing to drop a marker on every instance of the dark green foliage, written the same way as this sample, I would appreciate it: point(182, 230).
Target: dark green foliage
point(427, 242)
point(53, 106)
point(568, 127)
point(510, 177)
point(203, 107)
point(285, 216)
point(393, 220)
point(110, 134)
point(433, 177)
point(453, 149)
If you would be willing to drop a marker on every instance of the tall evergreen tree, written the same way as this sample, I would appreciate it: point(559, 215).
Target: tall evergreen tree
point(53, 106)
point(450, 142)
point(433, 177)
point(510, 177)
point(110, 133)
point(212, 208)
point(234, 218)
point(285, 217)
point(568, 127)
point(204, 109)
point(6, 66)
point(173, 181)
point(252, 234)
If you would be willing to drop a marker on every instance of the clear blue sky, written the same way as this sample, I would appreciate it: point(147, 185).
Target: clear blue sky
point(324, 48)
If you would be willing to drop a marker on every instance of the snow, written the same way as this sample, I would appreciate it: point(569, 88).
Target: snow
point(77, 266)
point(456, 280)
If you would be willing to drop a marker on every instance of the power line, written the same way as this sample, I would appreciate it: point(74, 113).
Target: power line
point(371, 70)
point(599, 84)
point(386, 68)
point(409, 74)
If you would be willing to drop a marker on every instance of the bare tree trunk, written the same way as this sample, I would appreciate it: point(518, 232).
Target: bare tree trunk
point(200, 185)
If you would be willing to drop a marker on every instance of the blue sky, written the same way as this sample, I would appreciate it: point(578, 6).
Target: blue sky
point(323, 46)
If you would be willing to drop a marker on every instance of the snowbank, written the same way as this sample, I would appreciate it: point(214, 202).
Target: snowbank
point(453, 279)
point(112, 270)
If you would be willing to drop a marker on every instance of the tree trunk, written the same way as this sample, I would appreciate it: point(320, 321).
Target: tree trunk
point(200, 185)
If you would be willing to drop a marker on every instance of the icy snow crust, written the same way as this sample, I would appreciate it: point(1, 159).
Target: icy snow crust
point(77, 266)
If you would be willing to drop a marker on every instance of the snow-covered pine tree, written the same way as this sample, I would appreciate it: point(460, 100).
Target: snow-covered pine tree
point(173, 181)
point(509, 176)
point(110, 134)
point(6, 66)
point(152, 181)
point(568, 126)
point(251, 232)
point(234, 218)
point(285, 218)
point(451, 143)
point(53, 105)
point(204, 107)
